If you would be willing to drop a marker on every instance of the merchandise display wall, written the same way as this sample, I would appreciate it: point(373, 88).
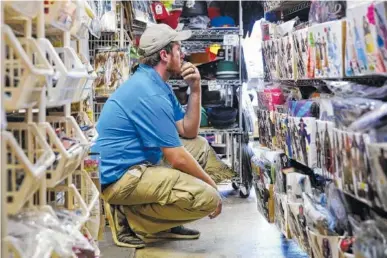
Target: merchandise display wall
point(50, 196)
point(319, 169)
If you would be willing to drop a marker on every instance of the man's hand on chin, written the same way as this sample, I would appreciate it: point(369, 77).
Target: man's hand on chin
point(191, 76)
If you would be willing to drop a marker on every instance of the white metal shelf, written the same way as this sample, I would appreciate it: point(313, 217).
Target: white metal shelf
point(213, 34)
point(182, 83)
point(211, 130)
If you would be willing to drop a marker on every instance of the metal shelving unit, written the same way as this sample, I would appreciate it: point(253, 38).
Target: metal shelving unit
point(182, 83)
point(214, 34)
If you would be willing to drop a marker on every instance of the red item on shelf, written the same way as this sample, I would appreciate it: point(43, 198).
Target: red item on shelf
point(173, 19)
point(274, 97)
point(159, 11)
point(213, 12)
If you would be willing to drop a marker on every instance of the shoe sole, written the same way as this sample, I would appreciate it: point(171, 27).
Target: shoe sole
point(109, 216)
point(172, 236)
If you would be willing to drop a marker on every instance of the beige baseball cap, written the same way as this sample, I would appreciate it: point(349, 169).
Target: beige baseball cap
point(157, 36)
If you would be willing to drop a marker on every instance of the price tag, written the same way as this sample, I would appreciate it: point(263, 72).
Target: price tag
point(212, 85)
point(231, 40)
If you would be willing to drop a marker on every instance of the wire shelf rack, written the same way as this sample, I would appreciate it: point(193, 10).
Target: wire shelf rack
point(211, 130)
point(213, 34)
point(182, 83)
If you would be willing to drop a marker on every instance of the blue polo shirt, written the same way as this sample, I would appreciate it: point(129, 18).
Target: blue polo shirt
point(137, 120)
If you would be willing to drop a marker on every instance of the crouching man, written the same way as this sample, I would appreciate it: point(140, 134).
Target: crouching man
point(153, 180)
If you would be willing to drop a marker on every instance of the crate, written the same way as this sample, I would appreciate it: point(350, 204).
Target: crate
point(90, 195)
point(21, 9)
point(26, 69)
point(69, 74)
point(85, 90)
point(67, 197)
point(28, 155)
point(323, 245)
point(67, 160)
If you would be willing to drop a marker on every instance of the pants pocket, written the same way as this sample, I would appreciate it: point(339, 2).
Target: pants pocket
point(119, 193)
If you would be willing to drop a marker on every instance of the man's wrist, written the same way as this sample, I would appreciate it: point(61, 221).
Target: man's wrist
point(195, 87)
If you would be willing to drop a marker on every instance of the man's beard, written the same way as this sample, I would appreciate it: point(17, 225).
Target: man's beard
point(172, 70)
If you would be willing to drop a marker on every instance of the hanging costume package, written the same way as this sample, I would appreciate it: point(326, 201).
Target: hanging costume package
point(304, 108)
point(365, 36)
point(325, 11)
point(298, 227)
point(371, 239)
point(303, 137)
point(286, 56)
point(296, 184)
point(378, 163)
point(300, 42)
point(348, 110)
point(346, 89)
point(360, 170)
point(325, 148)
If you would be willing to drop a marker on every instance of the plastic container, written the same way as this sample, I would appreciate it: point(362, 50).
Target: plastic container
point(85, 90)
point(21, 8)
point(28, 155)
point(67, 159)
point(26, 69)
point(60, 13)
point(68, 74)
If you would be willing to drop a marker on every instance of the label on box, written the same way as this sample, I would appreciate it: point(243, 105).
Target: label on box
point(212, 85)
point(231, 40)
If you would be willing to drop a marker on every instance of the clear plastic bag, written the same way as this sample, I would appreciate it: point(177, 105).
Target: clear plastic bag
point(348, 110)
point(353, 90)
point(371, 120)
point(325, 10)
point(371, 240)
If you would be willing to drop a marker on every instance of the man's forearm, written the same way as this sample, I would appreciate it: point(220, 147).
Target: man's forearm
point(193, 115)
point(187, 164)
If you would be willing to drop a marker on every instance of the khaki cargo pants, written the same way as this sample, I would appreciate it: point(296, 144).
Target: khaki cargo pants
point(157, 198)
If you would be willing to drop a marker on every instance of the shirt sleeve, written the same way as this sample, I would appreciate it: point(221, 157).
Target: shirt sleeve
point(154, 119)
point(178, 109)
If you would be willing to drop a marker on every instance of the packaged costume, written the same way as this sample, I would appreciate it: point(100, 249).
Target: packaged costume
point(300, 43)
point(285, 58)
point(326, 53)
point(325, 148)
point(303, 133)
point(378, 163)
point(363, 55)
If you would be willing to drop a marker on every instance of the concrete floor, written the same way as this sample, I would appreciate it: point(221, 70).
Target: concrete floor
point(239, 232)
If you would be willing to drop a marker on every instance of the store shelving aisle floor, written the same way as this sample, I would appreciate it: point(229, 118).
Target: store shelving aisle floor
point(239, 232)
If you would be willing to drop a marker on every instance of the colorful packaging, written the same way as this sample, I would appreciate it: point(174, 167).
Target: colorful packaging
point(363, 54)
point(326, 42)
point(285, 58)
point(325, 148)
point(300, 43)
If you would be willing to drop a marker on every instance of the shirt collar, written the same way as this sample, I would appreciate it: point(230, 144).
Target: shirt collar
point(155, 75)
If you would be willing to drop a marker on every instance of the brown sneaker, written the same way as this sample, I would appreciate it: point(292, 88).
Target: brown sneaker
point(179, 232)
point(122, 234)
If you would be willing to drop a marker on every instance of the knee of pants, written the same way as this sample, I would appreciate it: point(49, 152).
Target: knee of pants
point(200, 141)
point(211, 199)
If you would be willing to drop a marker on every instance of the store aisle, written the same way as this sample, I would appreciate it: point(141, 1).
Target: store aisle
point(240, 231)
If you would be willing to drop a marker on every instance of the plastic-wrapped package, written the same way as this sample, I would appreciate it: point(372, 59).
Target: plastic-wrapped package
point(354, 90)
point(337, 207)
point(286, 58)
point(348, 110)
point(303, 133)
point(375, 119)
point(304, 108)
point(378, 164)
point(365, 40)
point(296, 184)
point(63, 231)
point(371, 239)
point(325, 148)
point(323, 11)
point(32, 241)
point(300, 42)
